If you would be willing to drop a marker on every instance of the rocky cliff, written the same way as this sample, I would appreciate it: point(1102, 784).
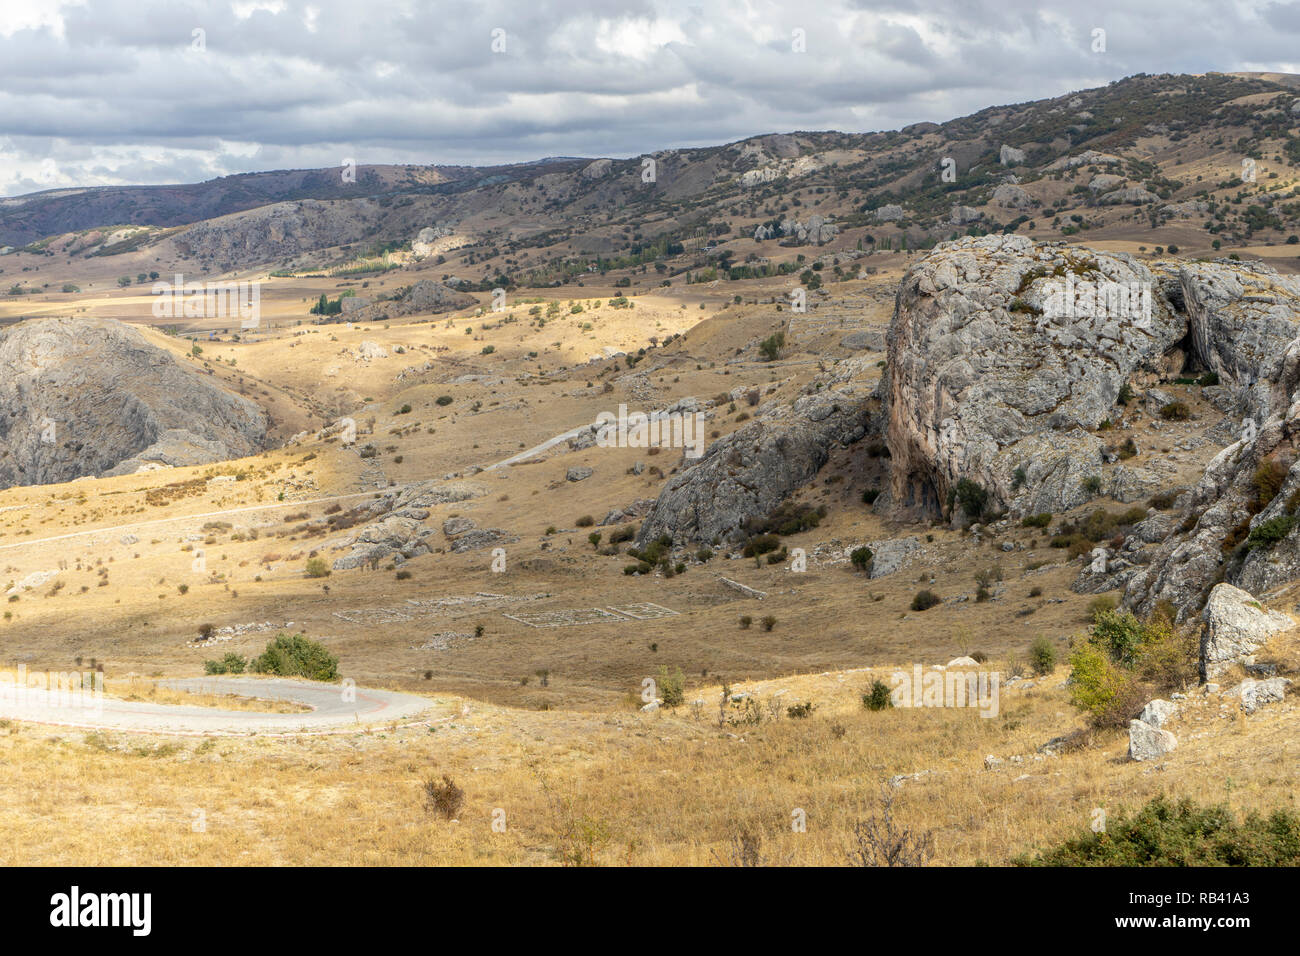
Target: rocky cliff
point(92, 397)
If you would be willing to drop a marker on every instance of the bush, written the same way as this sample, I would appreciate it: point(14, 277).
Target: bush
point(672, 687)
point(861, 558)
point(761, 544)
point(1125, 662)
point(317, 568)
point(870, 495)
point(1092, 484)
point(1042, 656)
point(443, 797)
point(443, 400)
point(231, 663)
point(296, 656)
point(924, 600)
point(771, 346)
point(972, 497)
point(586, 521)
point(786, 519)
point(1175, 412)
point(1099, 606)
point(1041, 520)
point(1163, 501)
point(1181, 834)
point(1268, 480)
point(768, 622)
point(799, 711)
point(1271, 531)
point(878, 696)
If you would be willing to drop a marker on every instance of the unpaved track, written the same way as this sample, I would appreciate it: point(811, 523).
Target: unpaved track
point(332, 712)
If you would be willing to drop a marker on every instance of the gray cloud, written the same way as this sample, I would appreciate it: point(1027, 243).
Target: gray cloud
point(96, 92)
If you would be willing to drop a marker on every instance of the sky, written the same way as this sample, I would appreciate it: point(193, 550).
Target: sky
point(111, 92)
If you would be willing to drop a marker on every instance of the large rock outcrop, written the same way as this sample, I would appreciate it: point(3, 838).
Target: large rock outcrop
point(1241, 521)
point(752, 470)
point(92, 396)
point(991, 378)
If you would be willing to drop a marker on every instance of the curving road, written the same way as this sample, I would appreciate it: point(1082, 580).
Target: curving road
point(334, 708)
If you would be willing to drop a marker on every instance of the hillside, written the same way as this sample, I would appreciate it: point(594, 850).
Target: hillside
point(934, 464)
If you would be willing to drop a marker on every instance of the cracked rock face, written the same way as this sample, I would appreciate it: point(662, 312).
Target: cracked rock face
point(963, 404)
point(752, 470)
point(1227, 533)
point(92, 396)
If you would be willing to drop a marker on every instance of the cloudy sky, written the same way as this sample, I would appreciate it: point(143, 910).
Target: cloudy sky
point(101, 92)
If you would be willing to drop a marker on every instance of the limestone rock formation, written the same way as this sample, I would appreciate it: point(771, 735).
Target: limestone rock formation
point(1236, 625)
point(1017, 422)
point(750, 471)
point(93, 397)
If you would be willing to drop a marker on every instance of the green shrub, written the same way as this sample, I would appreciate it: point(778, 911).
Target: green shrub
point(799, 711)
point(878, 696)
point(870, 495)
point(1271, 531)
point(672, 687)
point(924, 600)
point(761, 544)
point(1042, 656)
point(1163, 833)
point(771, 346)
point(586, 521)
point(1175, 412)
point(296, 656)
point(786, 519)
point(1041, 520)
point(317, 568)
point(972, 497)
point(231, 663)
point(861, 558)
point(443, 400)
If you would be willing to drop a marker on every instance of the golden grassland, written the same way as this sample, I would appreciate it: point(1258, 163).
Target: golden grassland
point(579, 772)
point(622, 787)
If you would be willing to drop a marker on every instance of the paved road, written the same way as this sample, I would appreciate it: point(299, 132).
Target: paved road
point(331, 711)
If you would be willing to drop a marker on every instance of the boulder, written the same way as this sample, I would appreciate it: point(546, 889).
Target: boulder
point(1255, 694)
point(1157, 712)
point(578, 473)
point(1010, 156)
point(1012, 197)
point(892, 554)
point(458, 525)
point(1148, 743)
point(1236, 625)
